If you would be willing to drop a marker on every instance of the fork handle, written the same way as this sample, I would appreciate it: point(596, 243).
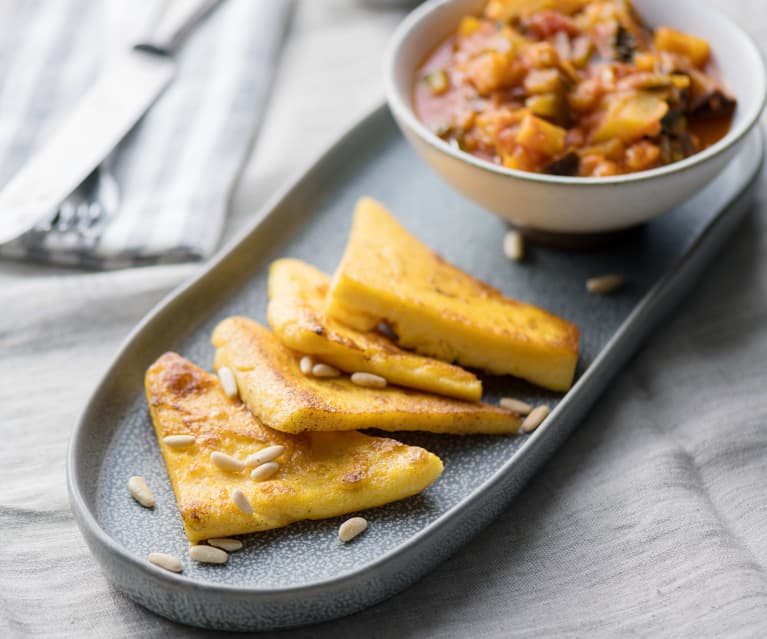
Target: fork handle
point(178, 19)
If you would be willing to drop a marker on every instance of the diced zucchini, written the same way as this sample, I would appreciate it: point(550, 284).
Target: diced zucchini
point(612, 149)
point(568, 164)
point(630, 117)
point(680, 80)
point(625, 45)
point(549, 106)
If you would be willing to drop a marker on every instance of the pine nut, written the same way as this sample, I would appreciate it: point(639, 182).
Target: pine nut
point(178, 441)
point(534, 419)
point(368, 380)
point(208, 555)
point(226, 462)
point(270, 453)
point(264, 471)
point(519, 407)
point(306, 365)
point(323, 370)
point(169, 562)
point(351, 528)
point(514, 246)
point(604, 284)
point(141, 492)
point(241, 501)
point(228, 381)
point(229, 545)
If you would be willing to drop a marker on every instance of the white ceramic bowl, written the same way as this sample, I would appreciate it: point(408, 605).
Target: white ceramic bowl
point(572, 204)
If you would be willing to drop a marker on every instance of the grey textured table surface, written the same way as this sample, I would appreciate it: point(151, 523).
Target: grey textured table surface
point(650, 521)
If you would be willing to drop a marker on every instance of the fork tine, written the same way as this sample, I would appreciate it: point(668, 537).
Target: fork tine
point(67, 213)
point(87, 208)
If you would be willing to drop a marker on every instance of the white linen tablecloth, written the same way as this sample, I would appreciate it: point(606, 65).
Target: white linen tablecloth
point(650, 521)
point(172, 175)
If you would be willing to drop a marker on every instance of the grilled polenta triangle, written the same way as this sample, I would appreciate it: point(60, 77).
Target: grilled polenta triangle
point(296, 313)
point(272, 385)
point(320, 475)
point(386, 274)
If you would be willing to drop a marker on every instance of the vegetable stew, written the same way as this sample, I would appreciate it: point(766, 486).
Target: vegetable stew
point(572, 87)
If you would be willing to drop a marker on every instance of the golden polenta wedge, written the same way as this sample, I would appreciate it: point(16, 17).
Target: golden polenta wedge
point(320, 474)
point(296, 313)
point(438, 310)
point(272, 385)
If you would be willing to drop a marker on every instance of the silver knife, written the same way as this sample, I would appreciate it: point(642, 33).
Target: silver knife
point(101, 119)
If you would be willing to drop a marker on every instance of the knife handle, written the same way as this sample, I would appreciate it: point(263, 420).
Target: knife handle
point(178, 19)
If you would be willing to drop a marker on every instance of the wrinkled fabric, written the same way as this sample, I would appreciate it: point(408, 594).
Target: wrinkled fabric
point(650, 521)
point(174, 171)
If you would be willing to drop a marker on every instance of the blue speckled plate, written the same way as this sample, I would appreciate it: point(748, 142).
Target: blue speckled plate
point(302, 574)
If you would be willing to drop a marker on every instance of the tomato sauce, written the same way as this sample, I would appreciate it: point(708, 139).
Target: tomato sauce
point(580, 88)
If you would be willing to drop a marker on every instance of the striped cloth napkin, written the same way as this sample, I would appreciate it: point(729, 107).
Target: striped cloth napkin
point(175, 170)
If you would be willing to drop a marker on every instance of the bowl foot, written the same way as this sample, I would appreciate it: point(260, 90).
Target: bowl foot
point(585, 242)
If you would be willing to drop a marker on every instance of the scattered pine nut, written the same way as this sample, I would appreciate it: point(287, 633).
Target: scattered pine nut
point(519, 407)
point(534, 419)
point(368, 380)
point(270, 453)
point(351, 528)
point(306, 365)
point(208, 554)
point(264, 471)
point(225, 543)
point(141, 492)
point(228, 381)
point(323, 370)
point(226, 462)
point(604, 284)
point(164, 560)
point(178, 441)
point(514, 246)
point(241, 501)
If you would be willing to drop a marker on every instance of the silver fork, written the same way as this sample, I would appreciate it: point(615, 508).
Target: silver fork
point(85, 212)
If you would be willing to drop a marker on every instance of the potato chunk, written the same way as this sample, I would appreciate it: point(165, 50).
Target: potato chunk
point(693, 48)
point(488, 71)
point(512, 9)
point(541, 136)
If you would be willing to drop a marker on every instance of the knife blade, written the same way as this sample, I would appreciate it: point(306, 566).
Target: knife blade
point(101, 119)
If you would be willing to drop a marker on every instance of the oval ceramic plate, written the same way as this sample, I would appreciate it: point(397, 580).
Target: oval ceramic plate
point(302, 574)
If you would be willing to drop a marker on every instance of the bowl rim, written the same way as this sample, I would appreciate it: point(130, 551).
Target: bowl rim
point(403, 111)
